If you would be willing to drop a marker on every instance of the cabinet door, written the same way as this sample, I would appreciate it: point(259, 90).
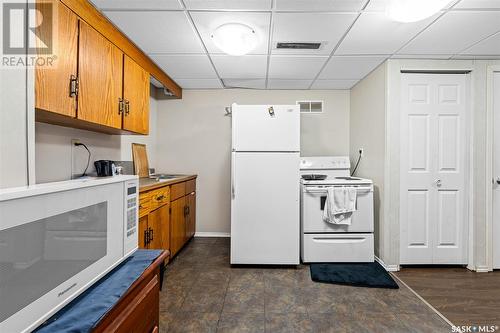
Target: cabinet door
point(158, 222)
point(136, 96)
point(143, 227)
point(100, 67)
point(52, 83)
point(191, 217)
point(178, 225)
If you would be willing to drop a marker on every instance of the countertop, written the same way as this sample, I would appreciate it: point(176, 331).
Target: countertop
point(146, 184)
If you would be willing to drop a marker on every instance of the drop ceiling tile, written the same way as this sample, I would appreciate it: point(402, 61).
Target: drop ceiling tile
point(186, 66)
point(288, 84)
point(349, 68)
point(489, 46)
point(454, 32)
point(207, 22)
point(134, 4)
point(477, 57)
point(478, 4)
point(245, 83)
point(199, 83)
point(229, 4)
point(422, 56)
point(380, 5)
point(290, 67)
point(158, 31)
point(320, 5)
point(333, 84)
point(327, 28)
point(375, 33)
point(233, 67)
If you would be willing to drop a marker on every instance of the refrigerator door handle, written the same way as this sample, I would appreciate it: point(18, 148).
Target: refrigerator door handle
point(233, 178)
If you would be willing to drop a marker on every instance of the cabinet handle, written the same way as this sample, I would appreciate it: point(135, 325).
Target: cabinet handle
point(146, 237)
point(73, 86)
point(127, 107)
point(160, 197)
point(185, 211)
point(120, 105)
point(151, 237)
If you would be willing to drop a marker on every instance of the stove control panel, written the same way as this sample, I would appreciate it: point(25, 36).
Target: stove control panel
point(324, 162)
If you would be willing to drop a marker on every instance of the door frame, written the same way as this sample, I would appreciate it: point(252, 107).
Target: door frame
point(469, 153)
point(490, 131)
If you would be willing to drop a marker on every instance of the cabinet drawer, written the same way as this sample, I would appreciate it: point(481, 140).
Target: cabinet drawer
point(144, 204)
point(190, 186)
point(160, 197)
point(342, 247)
point(177, 191)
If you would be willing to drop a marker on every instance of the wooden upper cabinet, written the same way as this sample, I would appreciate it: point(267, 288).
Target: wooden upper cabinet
point(100, 67)
point(52, 91)
point(136, 97)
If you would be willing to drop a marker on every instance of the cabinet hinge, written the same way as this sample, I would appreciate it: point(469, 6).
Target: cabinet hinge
point(73, 86)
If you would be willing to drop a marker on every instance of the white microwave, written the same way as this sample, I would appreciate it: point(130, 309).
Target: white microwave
point(57, 239)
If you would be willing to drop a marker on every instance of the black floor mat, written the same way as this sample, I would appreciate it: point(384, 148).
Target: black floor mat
point(370, 274)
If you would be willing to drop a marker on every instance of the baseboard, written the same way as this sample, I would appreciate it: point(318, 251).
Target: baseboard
point(212, 234)
point(482, 269)
point(389, 268)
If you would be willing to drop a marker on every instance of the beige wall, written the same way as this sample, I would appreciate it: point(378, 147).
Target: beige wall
point(367, 131)
point(56, 159)
point(194, 136)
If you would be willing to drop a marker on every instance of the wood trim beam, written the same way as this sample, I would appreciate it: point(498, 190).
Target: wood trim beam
point(88, 13)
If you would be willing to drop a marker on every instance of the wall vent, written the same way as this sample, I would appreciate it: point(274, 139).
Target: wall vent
point(298, 46)
point(310, 106)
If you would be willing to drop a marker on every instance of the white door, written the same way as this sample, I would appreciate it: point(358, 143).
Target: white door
point(496, 172)
point(433, 169)
point(265, 208)
point(266, 127)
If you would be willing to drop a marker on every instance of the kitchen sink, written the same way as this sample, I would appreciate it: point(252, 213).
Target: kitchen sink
point(160, 177)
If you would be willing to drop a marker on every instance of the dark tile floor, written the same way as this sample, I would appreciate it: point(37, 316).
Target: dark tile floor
point(203, 293)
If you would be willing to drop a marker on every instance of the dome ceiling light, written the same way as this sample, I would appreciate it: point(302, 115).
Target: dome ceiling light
point(407, 11)
point(235, 38)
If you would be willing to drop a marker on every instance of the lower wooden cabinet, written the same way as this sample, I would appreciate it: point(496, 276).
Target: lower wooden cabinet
point(154, 229)
point(191, 214)
point(178, 225)
point(167, 216)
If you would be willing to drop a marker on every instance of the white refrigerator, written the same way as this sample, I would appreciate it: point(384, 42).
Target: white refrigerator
point(265, 184)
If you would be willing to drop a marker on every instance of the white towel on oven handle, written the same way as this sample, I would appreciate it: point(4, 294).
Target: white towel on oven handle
point(340, 204)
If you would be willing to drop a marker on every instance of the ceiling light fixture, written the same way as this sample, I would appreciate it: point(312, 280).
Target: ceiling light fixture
point(413, 10)
point(235, 38)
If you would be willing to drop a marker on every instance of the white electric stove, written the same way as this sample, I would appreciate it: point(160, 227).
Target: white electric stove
point(326, 242)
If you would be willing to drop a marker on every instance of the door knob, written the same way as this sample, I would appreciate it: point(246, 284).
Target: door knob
point(438, 182)
point(498, 180)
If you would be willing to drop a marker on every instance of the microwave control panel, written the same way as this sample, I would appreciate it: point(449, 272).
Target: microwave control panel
point(131, 208)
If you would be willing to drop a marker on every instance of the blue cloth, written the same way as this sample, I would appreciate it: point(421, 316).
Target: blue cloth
point(85, 312)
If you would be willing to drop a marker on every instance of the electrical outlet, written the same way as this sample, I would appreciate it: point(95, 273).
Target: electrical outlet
point(361, 151)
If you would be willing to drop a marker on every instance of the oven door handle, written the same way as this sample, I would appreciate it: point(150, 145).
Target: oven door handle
point(324, 189)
